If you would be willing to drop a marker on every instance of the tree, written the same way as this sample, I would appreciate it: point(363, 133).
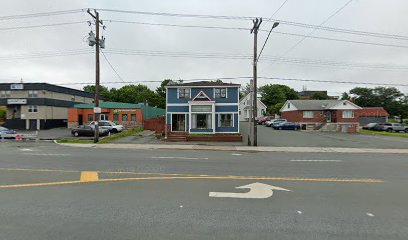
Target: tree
point(103, 91)
point(161, 91)
point(345, 96)
point(319, 96)
point(245, 90)
point(275, 108)
point(275, 93)
point(390, 98)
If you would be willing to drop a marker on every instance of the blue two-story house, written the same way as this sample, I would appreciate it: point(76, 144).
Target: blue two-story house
point(202, 107)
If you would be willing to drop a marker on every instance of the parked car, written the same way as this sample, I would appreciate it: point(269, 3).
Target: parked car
point(263, 120)
point(394, 127)
point(5, 131)
point(275, 122)
point(286, 126)
point(370, 126)
point(88, 131)
point(111, 126)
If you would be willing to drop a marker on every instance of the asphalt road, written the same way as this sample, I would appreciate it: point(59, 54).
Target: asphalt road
point(153, 194)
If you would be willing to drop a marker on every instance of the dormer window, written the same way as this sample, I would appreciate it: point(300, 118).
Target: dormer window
point(183, 93)
point(288, 105)
point(220, 93)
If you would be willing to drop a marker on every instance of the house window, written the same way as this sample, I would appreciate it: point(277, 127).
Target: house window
point(183, 93)
point(307, 114)
point(201, 108)
point(115, 117)
point(348, 114)
point(201, 121)
point(288, 105)
point(225, 120)
point(220, 93)
point(32, 108)
point(5, 94)
point(124, 117)
point(103, 116)
point(90, 117)
point(33, 93)
point(133, 117)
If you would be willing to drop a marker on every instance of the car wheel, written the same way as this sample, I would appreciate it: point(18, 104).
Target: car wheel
point(76, 134)
point(280, 128)
point(389, 130)
point(114, 130)
point(406, 130)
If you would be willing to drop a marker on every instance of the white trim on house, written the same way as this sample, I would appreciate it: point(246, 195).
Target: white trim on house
point(216, 104)
point(340, 105)
point(285, 109)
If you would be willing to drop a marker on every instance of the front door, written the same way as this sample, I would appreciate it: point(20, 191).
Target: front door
point(178, 122)
point(328, 116)
point(80, 120)
point(33, 124)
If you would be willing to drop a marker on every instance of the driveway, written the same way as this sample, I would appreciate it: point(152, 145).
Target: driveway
point(281, 138)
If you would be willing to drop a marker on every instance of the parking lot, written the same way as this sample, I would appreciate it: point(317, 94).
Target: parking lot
point(284, 138)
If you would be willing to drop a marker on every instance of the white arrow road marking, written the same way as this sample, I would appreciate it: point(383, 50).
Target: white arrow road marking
point(370, 214)
point(236, 154)
point(180, 158)
point(47, 154)
point(256, 191)
point(315, 160)
point(26, 150)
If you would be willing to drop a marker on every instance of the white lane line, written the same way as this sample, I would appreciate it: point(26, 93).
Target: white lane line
point(47, 154)
point(370, 214)
point(300, 212)
point(236, 154)
point(315, 160)
point(180, 158)
point(26, 150)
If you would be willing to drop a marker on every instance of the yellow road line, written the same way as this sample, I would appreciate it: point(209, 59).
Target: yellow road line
point(39, 184)
point(89, 177)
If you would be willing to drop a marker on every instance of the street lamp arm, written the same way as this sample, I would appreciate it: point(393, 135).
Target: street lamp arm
point(275, 24)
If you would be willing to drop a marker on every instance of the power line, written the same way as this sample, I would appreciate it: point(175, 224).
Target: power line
point(278, 32)
point(265, 19)
point(40, 26)
point(107, 60)
point(42, 14)
point(311, 32)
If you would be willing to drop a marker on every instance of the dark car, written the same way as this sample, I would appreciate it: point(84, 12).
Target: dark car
point(6, 133)
point(370, 126)
point(88, 131)
point(287, 126)
point(378, 127)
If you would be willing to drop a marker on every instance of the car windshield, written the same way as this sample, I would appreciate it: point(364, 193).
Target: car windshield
point(3, 129)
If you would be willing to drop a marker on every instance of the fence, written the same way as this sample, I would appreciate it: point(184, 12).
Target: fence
point(155, 124)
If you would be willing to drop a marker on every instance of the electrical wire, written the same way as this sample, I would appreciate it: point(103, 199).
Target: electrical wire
point(40, 26)
point(42, 14)
point(110, 64)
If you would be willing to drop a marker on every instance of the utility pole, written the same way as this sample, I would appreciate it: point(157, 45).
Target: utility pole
point(257, 22)
point(97, 75)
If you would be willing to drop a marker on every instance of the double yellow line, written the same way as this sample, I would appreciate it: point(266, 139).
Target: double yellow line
point(93, 176)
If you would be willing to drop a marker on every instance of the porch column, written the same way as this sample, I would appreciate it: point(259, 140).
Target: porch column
point(213, 118)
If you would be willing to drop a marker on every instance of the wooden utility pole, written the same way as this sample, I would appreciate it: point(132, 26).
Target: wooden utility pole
point(257, 22)
point(97, 75)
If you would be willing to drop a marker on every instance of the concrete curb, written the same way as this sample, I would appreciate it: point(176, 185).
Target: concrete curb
point(237, 148)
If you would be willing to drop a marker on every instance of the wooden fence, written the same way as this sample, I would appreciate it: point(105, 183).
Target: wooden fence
point(155, 124)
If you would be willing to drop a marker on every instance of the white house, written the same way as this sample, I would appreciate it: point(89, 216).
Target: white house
point(245, 108)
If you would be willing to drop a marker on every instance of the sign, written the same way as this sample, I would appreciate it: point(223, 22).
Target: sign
point(123, 110)
point(17, 86)
point(256, 191)
point(97, 110)
point(16, 101)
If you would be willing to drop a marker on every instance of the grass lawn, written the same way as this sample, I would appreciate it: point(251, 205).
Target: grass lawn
point(108, 139)
point(393, 134)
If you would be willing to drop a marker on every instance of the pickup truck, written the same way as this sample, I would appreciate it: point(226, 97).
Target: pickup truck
point(394, 127)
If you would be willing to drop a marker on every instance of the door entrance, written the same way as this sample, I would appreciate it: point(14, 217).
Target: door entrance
point(33, 124)
point(328, 116)
point(178, 122)
point(80, 120)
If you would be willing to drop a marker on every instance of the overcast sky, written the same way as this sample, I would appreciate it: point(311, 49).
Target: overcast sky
point(364, 15)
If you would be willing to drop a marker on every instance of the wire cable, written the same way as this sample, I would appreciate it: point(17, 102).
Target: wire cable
point(110, 64)
point(40, 26)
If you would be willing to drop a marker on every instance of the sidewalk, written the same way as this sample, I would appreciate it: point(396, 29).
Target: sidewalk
point(237, 148)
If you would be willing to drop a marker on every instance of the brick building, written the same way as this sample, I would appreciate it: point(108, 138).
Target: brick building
point(329, 115)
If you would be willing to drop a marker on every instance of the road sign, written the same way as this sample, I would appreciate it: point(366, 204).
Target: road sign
point(256, 191)
point(97, 110)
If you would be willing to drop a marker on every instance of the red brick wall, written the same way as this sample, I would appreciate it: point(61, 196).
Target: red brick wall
point(297, 116)
point(73, 117)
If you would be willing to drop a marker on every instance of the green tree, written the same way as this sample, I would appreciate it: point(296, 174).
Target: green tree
point(275, 93)
point(138, 94)
point(161, 91)
point(103, 91)
point(275, 108)
point(319, 96)
point(345, 96)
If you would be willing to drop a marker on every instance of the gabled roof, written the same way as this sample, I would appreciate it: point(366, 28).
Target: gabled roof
point(318, 104)
point(201, 96)
point(202, 84)
point(373, 112)
point(259, 100)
